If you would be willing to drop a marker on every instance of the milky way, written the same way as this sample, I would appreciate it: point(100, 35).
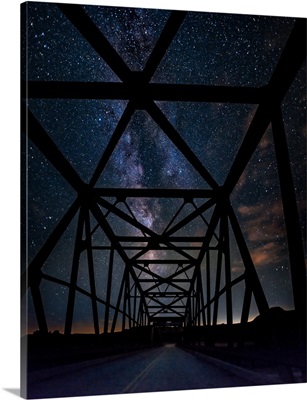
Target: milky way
point(209, 49)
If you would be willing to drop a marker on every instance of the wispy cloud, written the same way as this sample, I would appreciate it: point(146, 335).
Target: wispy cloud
point(267, 254)
point(262, 222)
point(263, 227)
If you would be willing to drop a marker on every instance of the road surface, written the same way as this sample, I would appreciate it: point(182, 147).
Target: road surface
point(159, 369)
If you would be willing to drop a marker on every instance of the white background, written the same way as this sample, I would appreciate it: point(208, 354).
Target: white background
point(9, 193)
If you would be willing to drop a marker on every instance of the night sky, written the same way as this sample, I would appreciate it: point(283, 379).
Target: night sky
point(209, 49)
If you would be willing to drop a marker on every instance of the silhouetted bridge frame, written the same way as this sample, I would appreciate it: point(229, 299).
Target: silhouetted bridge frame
point(179, 297)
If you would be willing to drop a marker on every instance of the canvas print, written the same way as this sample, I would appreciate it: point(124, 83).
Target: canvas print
point(163, 188)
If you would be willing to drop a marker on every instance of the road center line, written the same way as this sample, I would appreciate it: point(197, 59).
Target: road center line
point(132, 385)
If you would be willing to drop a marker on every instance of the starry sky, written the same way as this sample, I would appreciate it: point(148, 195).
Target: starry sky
point(208, 49)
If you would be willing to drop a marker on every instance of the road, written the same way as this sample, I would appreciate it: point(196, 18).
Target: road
point(159, 369)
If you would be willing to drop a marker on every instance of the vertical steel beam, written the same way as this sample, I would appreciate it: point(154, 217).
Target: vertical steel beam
point(90, 261)
point(186, 314)
point(146, 317)
point(197, 302)
point(39, 308)
point(196, 305)
point(197, 313)
point(246, 303)
point(143, 316)
point(208, 279)
point(142, 313)
point(200, 314)
point(124, 309)
point(224, 221)
point(139, 318)
point(218, 275)
point(128, 289)
point(193, 307)
point(292, 222)
point(202, 301)
point(108, 296)
point(119, 298)
point(134, 305)
point(189, 312)
point(74, 274)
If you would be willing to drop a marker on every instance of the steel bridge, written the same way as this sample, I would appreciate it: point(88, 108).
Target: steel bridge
point(148, 295)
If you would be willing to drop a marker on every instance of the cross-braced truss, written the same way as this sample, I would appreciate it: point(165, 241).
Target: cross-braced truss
point(167, 275)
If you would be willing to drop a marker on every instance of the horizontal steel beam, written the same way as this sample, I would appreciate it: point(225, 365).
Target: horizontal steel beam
point(165, 307)
point(165, 280)
point(160, 239)
point(186, 194)
point(174, 319)
point(192, 248)
point(140, 91)
point(157, 284)
point(166, 294)
point(166, 312)
point(163, 261)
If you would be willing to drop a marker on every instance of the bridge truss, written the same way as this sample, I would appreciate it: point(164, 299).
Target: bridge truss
point(174, 275)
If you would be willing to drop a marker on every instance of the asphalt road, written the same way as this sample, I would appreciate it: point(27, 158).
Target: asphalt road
point(160, 369)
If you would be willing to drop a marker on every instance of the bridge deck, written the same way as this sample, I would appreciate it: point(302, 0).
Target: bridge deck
point(158, 369)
